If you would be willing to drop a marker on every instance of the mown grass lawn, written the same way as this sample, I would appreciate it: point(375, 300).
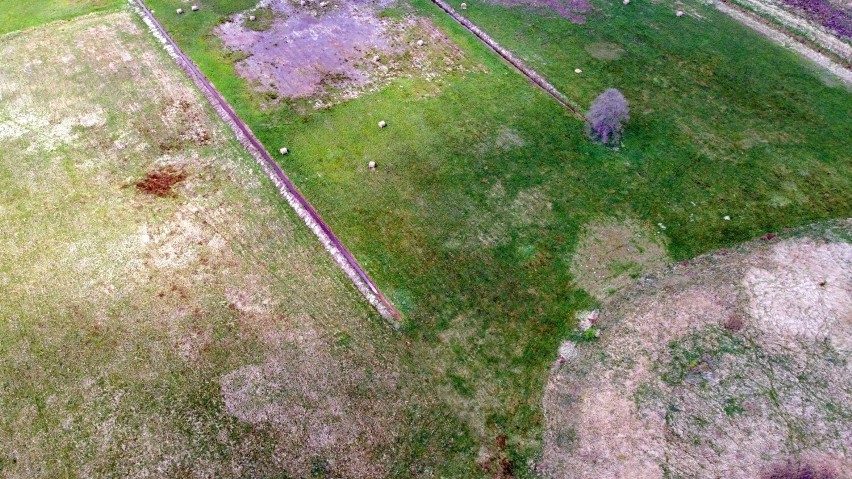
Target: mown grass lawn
point(473, 241)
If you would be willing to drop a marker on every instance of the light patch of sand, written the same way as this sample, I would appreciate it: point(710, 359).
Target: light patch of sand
point(804, 291)
point(728, 367)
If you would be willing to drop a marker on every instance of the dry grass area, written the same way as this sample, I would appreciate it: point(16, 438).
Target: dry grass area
point(736, 364)
point(612, 254)
point(163, 313)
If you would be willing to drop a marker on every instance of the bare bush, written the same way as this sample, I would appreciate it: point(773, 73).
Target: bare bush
point(607, 115)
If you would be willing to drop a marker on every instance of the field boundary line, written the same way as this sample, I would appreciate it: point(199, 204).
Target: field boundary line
point(780, 36)
point(510, 57)
point(303, 208)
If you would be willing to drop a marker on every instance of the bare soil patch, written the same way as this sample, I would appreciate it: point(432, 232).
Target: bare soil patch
point(326, 406)
point(159, 182)
point(736, 364)
point(612, 254)
point(606, 51)
point(334, 50)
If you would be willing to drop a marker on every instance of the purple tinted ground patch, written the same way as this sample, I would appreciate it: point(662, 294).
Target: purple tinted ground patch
point(830, 16)
point(306, 47)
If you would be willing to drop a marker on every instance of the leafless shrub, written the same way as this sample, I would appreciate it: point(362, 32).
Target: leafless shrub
point(607, 115)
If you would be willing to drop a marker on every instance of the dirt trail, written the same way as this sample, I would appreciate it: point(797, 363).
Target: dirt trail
point(299, 203)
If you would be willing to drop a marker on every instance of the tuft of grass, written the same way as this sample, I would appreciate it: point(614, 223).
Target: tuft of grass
point(264, 17)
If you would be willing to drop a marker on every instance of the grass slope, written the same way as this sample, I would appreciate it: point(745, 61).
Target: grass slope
point(485, 183)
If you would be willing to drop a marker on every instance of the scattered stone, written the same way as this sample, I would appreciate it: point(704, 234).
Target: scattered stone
point(679, 13)
point(577, 70)
point(464, 6)
point(284, 151)
point(194, 8)
point(727, 218)
point(372, 165)
point(179, 11)
point(587, 319)
point(382, 124)
point(420, 43)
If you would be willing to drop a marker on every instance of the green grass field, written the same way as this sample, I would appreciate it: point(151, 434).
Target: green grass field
point(17, 15)
point(472, 235)
point(484, 191)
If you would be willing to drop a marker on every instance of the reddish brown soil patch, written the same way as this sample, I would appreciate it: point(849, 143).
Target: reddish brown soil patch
point(159, 182)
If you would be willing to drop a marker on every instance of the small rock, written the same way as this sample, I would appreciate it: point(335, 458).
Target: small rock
point(662, 226)
point(679, 13)
point(284, 151)
point(567, 351)
point(577, 70)
point(372, 165)
point(727, 218)
point(323, 4)
point(302, 3)
point(382, 124)
point(420, 43)
point(464, 6)
point(587, 319)
point(194, 8)
point(252, 18)
point(179, 11)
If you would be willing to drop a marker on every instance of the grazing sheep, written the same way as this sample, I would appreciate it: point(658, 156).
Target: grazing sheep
point(179, 11)
point(372, 165)
point(382, 124)
point(284, 151)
